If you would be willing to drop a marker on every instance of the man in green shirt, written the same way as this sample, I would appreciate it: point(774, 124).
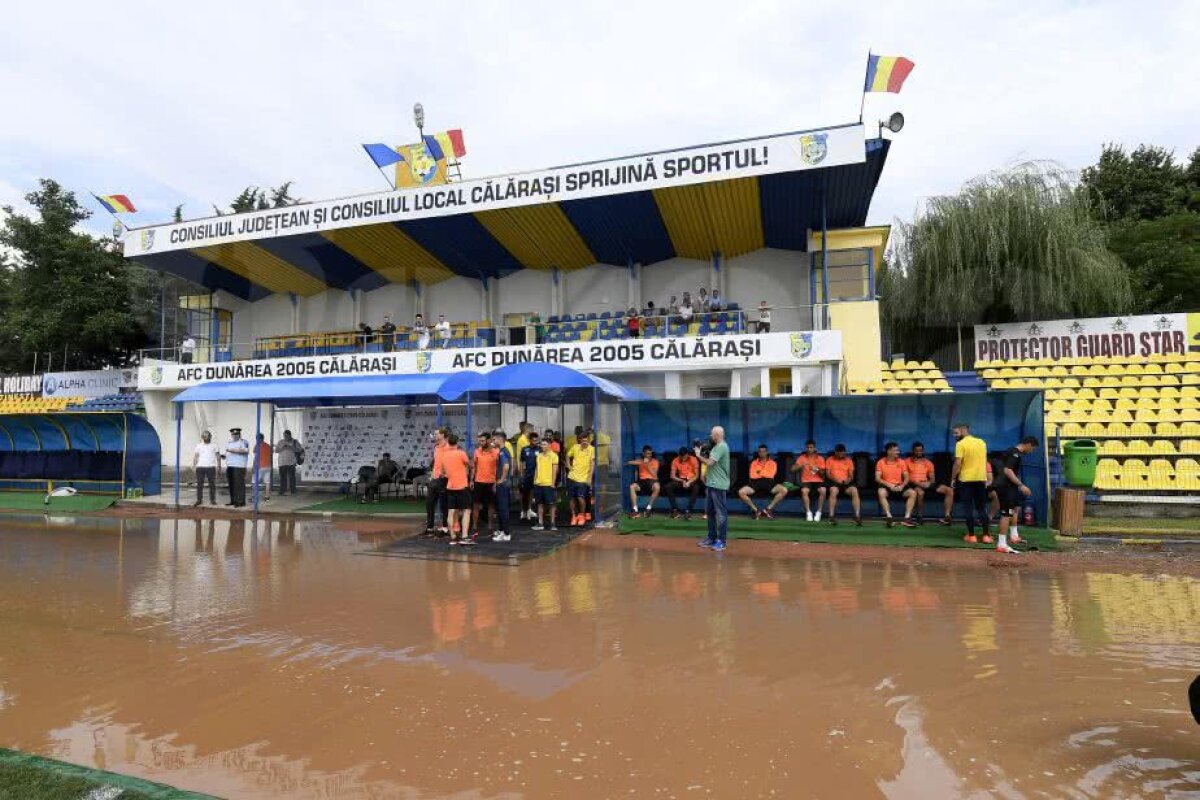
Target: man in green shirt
point(716, 483)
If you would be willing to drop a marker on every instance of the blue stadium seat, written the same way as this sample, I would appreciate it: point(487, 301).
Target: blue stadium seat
point(591, 316)
point(734, 307)
point(605, 315)
point(552, 318)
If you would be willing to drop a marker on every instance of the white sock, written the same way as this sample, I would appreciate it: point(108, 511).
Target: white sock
point(1002, 542)
point(809, 515)
point(817, 516)
point(1013, 528)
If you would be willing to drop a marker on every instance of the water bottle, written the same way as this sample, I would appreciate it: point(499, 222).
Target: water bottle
point(1028, 515)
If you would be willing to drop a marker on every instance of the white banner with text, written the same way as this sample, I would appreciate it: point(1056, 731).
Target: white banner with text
point(764, 156)
point(1097, 337)
point(92, 383)
point(608, 356)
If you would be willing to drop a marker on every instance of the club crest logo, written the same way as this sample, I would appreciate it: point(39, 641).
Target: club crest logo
point(1120, 326)
point(814, 147)
point(48, 386)
point(147, 240)
point(993, 331)
point(1163, 323)
point(424, 362)
point(1076, 328)
point(156, 375)
point(801, 345)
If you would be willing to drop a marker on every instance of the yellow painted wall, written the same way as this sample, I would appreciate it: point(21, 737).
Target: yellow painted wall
point(781, 378)
point(862, 340)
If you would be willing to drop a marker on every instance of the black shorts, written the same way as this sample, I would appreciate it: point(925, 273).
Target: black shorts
point(841, 487)
point(1010, 500)
point(578, 489)
point(933, 487)
point(458, 498)
point(484, 492)
point(892, 494)
point(545, 495)
point(646, 486)
point(762, 486)
point(812, 486)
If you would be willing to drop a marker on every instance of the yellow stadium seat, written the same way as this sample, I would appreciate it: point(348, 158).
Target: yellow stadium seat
point(1137, 447)
point(1118, 429)
point(1059, 372)
point(1162, 447)
point(1095, 429)
point(1140, 429)
point(1190, 446)
point(927, 365)
point(1174, 369)
point(1170, 429)
point(1128, 369)
point(1189, 429)
point(1112, 447)
point(1152, 369)
point(1147, 415)
point(1071, 430)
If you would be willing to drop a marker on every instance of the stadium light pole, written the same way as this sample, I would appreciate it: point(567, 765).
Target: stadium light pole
point(419, 118)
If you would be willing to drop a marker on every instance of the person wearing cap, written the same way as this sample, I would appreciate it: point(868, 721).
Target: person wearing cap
point(237, 455)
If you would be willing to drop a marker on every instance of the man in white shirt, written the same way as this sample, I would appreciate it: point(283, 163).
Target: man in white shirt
point(237, 455)
point(204, 460)
point(422, 332)
point(764, 318)
point(443, 330)
point(686, 312)
point(187, 350)
point(716, 302)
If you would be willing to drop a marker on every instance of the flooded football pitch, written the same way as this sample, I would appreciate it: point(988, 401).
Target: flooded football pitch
point(273, 659)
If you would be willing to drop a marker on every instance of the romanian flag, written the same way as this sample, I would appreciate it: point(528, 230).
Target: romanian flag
point(886, 73)
point(116, 203)
point(446, 144)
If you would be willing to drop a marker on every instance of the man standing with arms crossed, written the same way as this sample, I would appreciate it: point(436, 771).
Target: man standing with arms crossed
point(969, 479)
point(716, 482)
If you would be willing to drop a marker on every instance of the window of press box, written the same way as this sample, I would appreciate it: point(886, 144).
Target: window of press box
point(849, 275)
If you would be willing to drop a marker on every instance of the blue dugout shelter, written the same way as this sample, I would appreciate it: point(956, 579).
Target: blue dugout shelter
point(99, 452)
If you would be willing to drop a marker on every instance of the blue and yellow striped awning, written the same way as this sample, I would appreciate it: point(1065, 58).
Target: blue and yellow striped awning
point(729, 217)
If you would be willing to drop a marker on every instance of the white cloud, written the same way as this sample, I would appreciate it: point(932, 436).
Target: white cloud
point(172, 106)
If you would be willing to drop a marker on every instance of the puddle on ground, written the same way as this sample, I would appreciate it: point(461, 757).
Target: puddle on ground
point(266, 659)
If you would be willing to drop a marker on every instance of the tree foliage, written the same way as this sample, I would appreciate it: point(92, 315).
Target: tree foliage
point(1151, 205)
point(63, 291)
point(1019, 244)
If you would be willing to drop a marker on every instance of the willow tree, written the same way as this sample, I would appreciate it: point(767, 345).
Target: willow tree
point(1014, 245)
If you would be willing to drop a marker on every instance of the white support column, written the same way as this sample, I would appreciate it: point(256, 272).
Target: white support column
point(355, 307)
point(635, 286)
point(797, 380)
point(673, 386)
point(418, 290)
point(764, 380)
point(735, 383)
point(827, 379)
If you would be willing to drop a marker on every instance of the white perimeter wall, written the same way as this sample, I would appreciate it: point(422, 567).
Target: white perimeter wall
point(779, 276)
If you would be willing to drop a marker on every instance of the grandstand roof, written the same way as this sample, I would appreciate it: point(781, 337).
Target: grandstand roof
point(770, 196)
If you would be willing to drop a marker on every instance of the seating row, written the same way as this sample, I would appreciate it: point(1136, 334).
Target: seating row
point(61, 465)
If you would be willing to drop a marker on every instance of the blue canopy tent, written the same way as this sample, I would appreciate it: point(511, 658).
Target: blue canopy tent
point(359, 390)
point(90, 451)
point(536, 384)
point(550, 385)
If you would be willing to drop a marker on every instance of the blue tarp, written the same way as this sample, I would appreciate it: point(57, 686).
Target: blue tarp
point(363, 390)
point(536, 383)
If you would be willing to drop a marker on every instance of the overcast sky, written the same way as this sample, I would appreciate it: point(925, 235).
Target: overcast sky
point(187, 103)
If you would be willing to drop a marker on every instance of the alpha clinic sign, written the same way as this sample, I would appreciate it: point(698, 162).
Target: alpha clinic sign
point(625, 356)
point(92, 383)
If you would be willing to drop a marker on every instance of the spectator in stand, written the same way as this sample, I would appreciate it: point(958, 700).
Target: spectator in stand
point(685, 477)
point(646, 481)
point(634, 323)
point(385, 472)
point(365, 333)
point(650, 313)
point(839, 469)
point(262, 466)
point(686, 311)
point(763, 483)
point(483, 484)
point(672, 310)
point(892, 476)
point(504, 462)
point(443, 331)
point(811, 466)
point(526, 469)
point(923, 478)
point(187, 350)
point(422, 332)
point(702, 301)
point(764, 318)
point(204, 460)
point(388, 330)
point(716, 302)
point(288, 453)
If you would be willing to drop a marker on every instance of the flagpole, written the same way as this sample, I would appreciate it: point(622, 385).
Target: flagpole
point(391, 185)
point(113, 213)
point(863, 103)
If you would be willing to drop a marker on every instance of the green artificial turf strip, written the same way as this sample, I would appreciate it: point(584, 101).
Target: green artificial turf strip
point(387, 505)
point(34, 501)
point(789, 529)
point(1141, 524)
point(29, 777)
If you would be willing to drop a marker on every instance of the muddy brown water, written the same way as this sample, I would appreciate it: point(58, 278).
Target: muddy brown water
point(270, 659)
